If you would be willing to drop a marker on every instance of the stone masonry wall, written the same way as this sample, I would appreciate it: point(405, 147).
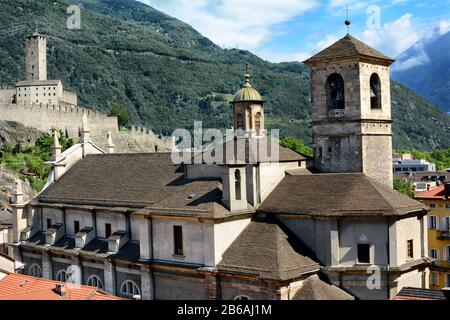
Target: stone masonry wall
point(63, 117)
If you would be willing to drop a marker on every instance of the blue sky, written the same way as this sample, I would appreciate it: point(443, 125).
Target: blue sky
point(293, 30)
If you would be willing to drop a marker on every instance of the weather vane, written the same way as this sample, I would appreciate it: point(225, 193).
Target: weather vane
point(348, 22)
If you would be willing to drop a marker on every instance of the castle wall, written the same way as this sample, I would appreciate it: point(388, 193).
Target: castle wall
point(7, 96)
point(69, 97)
point(62, 117)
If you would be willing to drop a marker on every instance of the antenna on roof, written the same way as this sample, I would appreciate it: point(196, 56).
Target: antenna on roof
point(348, 22)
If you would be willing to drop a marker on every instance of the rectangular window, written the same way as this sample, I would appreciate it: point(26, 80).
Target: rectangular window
point(432, 222)
point(178, 240)
point(432, 205)
point(108, 230)
point(363, 253)
point(76, 227)
point(49, 223)
point(434, 278)
point(434, 254)
point(447, 278)
point(410, 249)
point(447, 206)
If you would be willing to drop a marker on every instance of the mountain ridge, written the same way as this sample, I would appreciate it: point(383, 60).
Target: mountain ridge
point(165, 77)
point(425, 68)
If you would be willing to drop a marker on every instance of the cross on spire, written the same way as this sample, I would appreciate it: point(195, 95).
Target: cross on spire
point(348, 22)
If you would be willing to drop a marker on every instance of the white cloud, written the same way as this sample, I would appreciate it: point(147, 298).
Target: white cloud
point(230, 23)
point(274, 56)
point(398, 2)
point(394, 37)
point(325, 43)
point(298, 56)
point(353, 5)
point(418, 58)
point(444, 27)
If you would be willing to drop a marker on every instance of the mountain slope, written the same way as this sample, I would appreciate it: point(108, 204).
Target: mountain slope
point(425, 68)
point(166, 74)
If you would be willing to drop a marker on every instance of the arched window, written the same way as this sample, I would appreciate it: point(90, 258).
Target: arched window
point(35, 271)
point(258, 122)
point(62, 276)
point(242, 297)
point(335, 92)
point(237, 184)
point(240, 121)
point(94, 281)
point(375, 92)
point(129, 288)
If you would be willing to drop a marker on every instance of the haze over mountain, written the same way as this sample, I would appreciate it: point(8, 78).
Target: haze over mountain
point(167, 75)
point(425, 68)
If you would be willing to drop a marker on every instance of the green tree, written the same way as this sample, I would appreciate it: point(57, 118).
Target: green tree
point(121, 114)
point(29, 161)
point(404, 187)
point(298, 146)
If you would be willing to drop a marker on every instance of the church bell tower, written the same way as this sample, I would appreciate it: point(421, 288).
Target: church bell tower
point(351, 102)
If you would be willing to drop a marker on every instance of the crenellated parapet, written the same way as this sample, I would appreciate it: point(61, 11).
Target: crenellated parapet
point(63, 116)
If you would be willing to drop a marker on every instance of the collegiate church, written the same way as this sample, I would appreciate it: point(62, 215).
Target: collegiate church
point(332, 227)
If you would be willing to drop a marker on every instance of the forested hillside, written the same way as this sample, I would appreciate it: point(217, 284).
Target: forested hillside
point(166, 75)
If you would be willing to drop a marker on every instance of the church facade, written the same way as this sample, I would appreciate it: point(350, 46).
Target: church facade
point(330, 227)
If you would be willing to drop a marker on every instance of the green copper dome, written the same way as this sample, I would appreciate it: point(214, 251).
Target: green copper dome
point(247, 93)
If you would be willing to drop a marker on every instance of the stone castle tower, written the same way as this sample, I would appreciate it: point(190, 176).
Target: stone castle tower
point(36, 57)
point(352, 124)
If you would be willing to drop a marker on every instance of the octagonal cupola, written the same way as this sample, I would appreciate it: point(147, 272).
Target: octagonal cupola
point(248, 111)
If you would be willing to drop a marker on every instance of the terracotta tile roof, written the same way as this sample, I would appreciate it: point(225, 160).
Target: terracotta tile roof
point(409, 293)
point(349, 47)
point(21, 287)
point(436, 193)
point(268, 250)
point(337, 195)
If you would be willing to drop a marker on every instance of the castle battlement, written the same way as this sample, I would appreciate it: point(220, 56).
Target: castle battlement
point(65, 117)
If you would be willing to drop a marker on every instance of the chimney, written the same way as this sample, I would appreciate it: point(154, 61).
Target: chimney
point(61, 290)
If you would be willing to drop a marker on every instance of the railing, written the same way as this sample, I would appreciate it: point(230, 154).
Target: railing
point(444, 233)
point(442, 263)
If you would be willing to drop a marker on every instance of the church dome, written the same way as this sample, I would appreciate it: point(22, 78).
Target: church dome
point(247, 93)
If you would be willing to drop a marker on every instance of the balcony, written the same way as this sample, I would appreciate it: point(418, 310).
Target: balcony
point(441, 264)
point(443, 233)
